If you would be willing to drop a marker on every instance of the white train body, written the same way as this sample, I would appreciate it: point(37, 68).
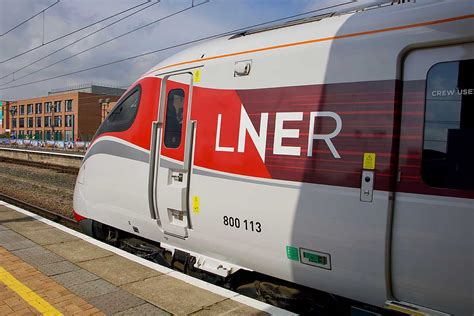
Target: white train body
point(320, 153)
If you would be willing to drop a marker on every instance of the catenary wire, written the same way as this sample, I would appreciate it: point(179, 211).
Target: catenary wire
point(73, 32)
point(107, 41)
point(72, 43)
point(30, 18)
point(173, 46)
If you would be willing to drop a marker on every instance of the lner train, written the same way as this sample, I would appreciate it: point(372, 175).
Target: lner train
point(334, 153)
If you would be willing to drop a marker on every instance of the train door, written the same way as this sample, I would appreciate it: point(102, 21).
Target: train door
point(433, 236)
point(172, 156)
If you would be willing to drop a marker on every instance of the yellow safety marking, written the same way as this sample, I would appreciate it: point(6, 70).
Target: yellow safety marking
point(404, 310)
point(369, 161)
point(196, 204)
point(28, 295)
point(197, 75)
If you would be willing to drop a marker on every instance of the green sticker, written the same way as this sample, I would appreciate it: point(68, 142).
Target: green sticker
point(292, 253)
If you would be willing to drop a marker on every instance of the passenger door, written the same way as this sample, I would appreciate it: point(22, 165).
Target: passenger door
point(172, 160)
point(433, 239)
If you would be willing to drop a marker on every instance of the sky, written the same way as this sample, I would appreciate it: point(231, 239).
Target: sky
point(198, 21)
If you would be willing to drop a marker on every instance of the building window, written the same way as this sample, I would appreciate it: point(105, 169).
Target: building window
point(123, 114)
point(21, 123)
point(13, 110)
point(22, 109)
point(174, 118)
point(68, 105)
point(448, 149)
point(38, 108)
point(38, 122)
point(58, 135)
point(39, 135)
point(68, 136)
point(57, 121)
point(13, 123)
point(29, 109)
point(47, 121)
point(29, 134)
point(30, 122)
point(47, 135)
point(21, 134)
point(57, 106)
point(68, 120)
point(47, 107)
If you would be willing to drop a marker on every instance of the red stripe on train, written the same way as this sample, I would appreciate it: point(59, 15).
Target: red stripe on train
point(369, 112)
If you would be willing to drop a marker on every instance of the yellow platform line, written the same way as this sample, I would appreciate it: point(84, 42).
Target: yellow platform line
point(27, 294)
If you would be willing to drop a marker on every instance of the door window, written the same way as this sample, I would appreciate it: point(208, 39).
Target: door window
point(174, 118)
point(448, 144)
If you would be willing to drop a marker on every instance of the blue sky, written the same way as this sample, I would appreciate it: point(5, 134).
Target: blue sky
point(214, 17)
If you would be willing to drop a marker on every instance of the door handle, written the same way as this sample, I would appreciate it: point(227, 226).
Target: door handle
point(177, 177)
point(189, 144)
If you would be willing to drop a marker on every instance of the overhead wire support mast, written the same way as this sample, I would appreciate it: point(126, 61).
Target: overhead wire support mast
point(105, 42)
point(73, 32)
point(30, 18)
point(72, 43)
point(176, 46)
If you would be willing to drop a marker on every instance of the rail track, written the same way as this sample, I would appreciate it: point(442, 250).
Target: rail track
point(63, 169)
point(58, 218)
point(64, 162)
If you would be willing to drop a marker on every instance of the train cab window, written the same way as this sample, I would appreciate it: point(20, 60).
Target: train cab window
point(123, 114)
point(174, 118)
point(448, 144)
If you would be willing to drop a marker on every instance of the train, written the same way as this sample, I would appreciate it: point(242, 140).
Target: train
point(332, 153)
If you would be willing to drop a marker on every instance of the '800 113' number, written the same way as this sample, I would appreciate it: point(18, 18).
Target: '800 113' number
point(235, 222)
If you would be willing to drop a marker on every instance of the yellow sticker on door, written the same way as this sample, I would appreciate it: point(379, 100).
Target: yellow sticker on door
point(197, 75)
point(369, 161)
point(196, 204)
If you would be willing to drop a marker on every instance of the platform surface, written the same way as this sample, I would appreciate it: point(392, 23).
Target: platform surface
point(46, 269)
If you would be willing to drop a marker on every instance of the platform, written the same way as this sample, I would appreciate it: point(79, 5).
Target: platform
point(48, 269)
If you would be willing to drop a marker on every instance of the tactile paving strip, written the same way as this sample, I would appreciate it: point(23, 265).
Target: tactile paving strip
point(115, 302)
point(74, 277)
point(93, 288)
point(37, 256)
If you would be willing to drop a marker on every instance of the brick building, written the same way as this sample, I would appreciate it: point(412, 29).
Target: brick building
point(73, 115)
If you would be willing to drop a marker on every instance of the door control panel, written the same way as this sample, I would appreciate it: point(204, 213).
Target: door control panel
point(367, 186)
point(177, 176)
